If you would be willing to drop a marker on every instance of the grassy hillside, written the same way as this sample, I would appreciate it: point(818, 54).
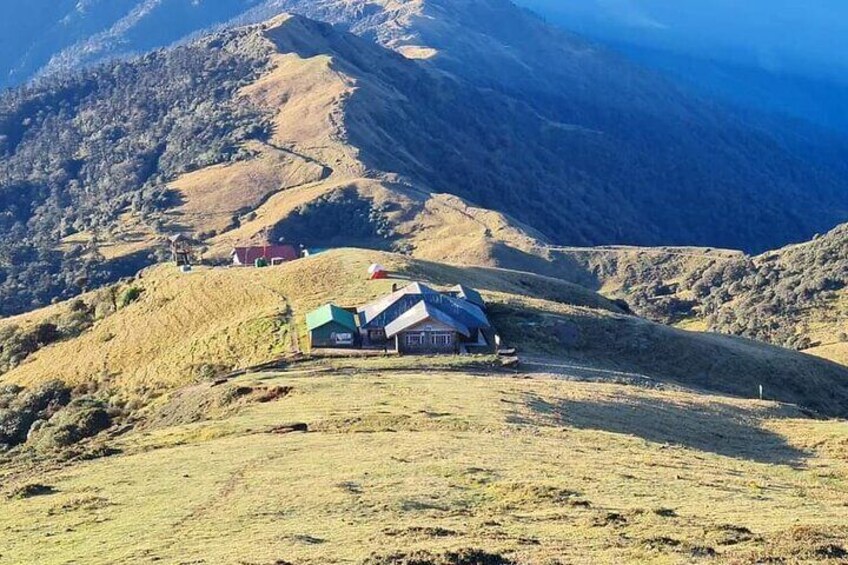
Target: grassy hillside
point(185, 328)
point(794, 297)
point(439, 469)
point(184, 324)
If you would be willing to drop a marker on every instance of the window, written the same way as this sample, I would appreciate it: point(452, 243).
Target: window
point(415, 339)
point(342, 338)
point(442, 340)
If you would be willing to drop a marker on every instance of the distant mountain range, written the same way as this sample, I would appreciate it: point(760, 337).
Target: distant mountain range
point(51, 35)
point(285, 129)
point(731, 50)
point(787, 57)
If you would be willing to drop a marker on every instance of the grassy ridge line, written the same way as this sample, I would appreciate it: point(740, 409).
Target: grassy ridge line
point(227, 319)
point(185, 328)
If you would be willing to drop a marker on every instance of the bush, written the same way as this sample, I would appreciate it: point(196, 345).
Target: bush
point(212, 372)
point(129, 296)
point(31, 490)
point(81, 419)
point(20, 409)
point(15, 346)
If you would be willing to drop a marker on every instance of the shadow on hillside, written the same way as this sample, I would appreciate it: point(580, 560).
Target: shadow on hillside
point(723, 430)
point(718, 363)
point(510, 281)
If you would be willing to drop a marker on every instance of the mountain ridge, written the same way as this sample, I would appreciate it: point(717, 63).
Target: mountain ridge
point(155, 412)
point(338, 124)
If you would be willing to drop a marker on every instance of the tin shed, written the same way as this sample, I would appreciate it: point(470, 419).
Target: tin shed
point(332, 326)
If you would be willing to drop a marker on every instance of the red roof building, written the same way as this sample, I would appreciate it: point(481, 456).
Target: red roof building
point(273, 254)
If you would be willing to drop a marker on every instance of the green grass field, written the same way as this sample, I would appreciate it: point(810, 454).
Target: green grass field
point(536, 471)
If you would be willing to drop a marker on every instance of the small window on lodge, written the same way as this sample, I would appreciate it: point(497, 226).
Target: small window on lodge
point(415, 339)
point(442, 340)
point(343, 338)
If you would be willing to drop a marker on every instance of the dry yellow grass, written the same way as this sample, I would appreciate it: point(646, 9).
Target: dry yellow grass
point(418, 52)
point(836, 352)
point(828, 327)
point(540, 471)
point(236, 318)
point(307, 93)
point(129, 236)
point(269, 214)
point(185, 326)
point(214, 196)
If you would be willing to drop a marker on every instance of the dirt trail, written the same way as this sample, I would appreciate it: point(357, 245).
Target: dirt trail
point(569, 369)
point(716, 254)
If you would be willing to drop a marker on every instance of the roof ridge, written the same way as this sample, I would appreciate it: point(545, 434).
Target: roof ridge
point(421, 311)
point(330, 313)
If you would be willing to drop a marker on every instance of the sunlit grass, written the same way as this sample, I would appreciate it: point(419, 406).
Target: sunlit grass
point(534, 469)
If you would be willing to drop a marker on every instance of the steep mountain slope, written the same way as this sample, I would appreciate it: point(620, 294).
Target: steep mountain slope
point(613, 142)
point(309, 118)
point(83, 151)
point(615, 139)
point(735, 50)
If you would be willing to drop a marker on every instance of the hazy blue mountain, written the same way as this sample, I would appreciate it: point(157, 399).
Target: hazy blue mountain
point(57, 34)
point(782, 56)
point(785, 56)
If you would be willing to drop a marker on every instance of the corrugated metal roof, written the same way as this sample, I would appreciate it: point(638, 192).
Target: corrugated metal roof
point(469, 314)
point(469, 294)
point(371, 311)
point(420, 313)
point(330, 313)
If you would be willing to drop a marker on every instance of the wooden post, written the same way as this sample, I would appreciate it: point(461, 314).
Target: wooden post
point(761, 392)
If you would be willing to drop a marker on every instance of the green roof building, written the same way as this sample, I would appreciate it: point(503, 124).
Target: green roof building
point(332, 327)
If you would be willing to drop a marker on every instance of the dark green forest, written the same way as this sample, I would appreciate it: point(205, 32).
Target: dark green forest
point(763, 298)
point(79, 149)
